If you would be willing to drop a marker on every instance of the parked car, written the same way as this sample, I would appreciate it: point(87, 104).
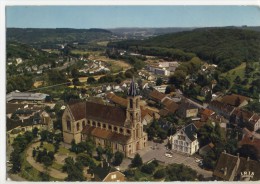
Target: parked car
point(168, 155)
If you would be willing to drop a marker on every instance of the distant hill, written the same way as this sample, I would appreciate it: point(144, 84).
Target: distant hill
point(49, 37)
point(214, 45)
point(148, 31)
point(166, 30)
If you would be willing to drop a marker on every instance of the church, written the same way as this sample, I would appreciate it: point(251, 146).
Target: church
point(109, 126)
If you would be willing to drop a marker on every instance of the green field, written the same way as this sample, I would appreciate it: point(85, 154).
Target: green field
point(240, 71)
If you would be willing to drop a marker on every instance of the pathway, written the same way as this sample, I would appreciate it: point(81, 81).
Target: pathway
point(52, 172)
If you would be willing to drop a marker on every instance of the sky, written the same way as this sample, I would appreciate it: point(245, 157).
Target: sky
point(130, 16)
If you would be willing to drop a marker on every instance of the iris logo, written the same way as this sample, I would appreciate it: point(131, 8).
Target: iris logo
point(247, 174)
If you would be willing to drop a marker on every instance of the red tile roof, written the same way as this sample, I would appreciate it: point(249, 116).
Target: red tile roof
point(98, 112)
point(106, 134)
point(156, 95)
point(234, 99)
point(116, 99)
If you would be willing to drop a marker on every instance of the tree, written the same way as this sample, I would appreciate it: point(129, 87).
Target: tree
point(159, 81)
point(91, 80)
point(118, 158)
point(86, 160)
point(35, 132)
point(74, 73)
point(47, 161)
point(179, 172)
point(169, 89)
point(74, 170)
point(109, 154)
point(148, 168)
point(208, 97)
point(159, 174)
point(100, 151)
point(137, 161)
point(44, 176)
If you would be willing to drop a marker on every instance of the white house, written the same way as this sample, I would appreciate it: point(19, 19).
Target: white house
point(185, 140)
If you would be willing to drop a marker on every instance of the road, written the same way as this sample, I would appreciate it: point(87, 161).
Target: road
point(158, 152)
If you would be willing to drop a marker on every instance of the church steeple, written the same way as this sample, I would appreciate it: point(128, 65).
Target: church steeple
point(133, 91)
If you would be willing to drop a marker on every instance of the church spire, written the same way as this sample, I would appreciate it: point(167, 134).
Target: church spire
point(133, 91)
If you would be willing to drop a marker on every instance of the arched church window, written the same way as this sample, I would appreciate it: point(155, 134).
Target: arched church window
point(121, 130)
point(104, 126)
point(99, 125)
point(128, 131)
point(88, 122)
point(94, 123)
point(131, 103)
point(83, 123)
point(115, 128)
point(68, 124)
point(131, 117)
point(110, 127)
point(78, 126)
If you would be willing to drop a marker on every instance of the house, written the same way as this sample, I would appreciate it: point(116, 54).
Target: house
point(157, 96)
point(221, 108)
point(251, 138)
point(160, 88)
point(235, 100)
point(170, 107)
point(206, 114)
point(236, 168)
point(187, 110)
point(117, 127)
point(185, 140)
point(246, 119)
point(105, 173)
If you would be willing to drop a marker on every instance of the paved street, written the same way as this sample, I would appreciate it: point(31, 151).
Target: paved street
point(158, 152)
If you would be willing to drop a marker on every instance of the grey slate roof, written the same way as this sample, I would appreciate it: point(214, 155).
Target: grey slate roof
point(190, 131)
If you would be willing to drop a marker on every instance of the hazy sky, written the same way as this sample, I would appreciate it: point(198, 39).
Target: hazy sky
point(130, 16)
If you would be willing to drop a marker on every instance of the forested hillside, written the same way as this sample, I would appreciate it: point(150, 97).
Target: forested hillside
point(47, 37)
point(223, 46)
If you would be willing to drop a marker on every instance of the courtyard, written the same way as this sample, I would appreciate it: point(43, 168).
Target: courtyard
point(157, 151)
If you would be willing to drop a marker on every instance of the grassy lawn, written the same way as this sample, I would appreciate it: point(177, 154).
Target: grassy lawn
point(63, 151)
point(103, 43)
point(238, 71)
point(114, 67)
point(57, 166)
point(48, 146)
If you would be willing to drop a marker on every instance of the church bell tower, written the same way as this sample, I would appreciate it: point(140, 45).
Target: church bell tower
point(133, 112)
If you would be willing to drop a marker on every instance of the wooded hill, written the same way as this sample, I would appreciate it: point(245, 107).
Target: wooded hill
point(47, 37)
point(226, 47)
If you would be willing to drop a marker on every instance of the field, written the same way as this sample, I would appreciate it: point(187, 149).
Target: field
point(240, 71)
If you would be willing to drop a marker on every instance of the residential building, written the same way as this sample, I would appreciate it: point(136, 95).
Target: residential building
point(25, 96)
point(235, 100)
point(185, 140)
point(235, 168)
point(187, 109)
point(105, 173)
point(221, 108)
point(117, 127)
